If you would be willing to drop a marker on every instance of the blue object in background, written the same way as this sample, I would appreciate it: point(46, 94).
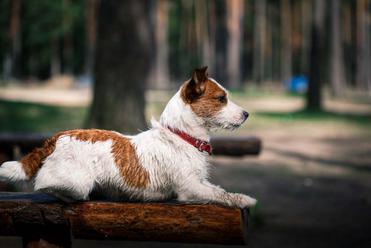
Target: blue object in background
point(297, 84)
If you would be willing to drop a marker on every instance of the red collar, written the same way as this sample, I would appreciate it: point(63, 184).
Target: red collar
point(201, 145)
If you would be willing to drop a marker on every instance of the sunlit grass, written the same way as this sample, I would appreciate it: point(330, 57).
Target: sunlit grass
point(32, 117)
point(317, 116)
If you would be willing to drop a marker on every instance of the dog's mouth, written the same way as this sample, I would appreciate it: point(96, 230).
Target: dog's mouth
point(225, 125)
point(215, 124)
point(233, 126)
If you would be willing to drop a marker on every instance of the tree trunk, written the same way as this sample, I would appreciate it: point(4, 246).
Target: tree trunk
point(11, 60)
point(189, 54)
point(210, 56)
point(55, 58)
point(220, 44)
point(91, 9)
point(159, 78)
point(269, 44)
point(314, 99)
point(201, 29)
point(259, 41)
point(234, 27)
point(286, 58)
point(67, 38)
point(337, 62)
point(305, 30)
point(363, 72)
point(205, 32)
point(121, 66)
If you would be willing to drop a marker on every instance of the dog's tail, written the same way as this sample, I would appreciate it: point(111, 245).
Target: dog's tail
point(12, 171)
point(28, 166)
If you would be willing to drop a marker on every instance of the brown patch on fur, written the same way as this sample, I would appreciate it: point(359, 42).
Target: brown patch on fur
point(32, 162)
point(123, 152)
point(208, 103)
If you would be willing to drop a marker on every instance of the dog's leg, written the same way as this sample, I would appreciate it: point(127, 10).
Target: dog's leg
point(207, 192)
point(64, 195)
point(65, 179)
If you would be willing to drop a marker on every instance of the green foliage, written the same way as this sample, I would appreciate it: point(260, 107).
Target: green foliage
point(318, 116)
point(4, 31)
point(184, 54)
point(43, 22)
point(24, 116)
point(45, 18)
point(30, 117)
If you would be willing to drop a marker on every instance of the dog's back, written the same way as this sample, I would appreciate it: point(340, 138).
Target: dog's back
point(79, 159)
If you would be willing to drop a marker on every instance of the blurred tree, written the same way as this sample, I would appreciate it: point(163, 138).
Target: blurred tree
point(67, 37)
point(296, 37)
point(55, 60)
point(269, 59)
point(349, 39)
point(11, 66)
point(363, 72)
point(337, 74)
point(41, 33)
point(91, 8)
point(235, 13)
point(273, 50)
point(210, 56)
point(221, 44)
point(121, 66)
point(159, 74)
point(314, 98)
point(55, 38)
point(43, 38)
point(49, 37)
point(305, 39)
point(272, 44)
point(205, 32)
point(190, 53)
point(286, 58)
point(259, 41)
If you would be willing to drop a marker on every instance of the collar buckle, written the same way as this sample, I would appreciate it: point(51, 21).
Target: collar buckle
point(200, 145)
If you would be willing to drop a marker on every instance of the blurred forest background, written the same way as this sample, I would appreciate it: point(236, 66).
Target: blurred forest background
point(301, 46)
point(300, 67)
point(242, 42)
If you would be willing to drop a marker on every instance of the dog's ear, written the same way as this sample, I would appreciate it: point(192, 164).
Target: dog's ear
point(199, 75)
point(196, 85)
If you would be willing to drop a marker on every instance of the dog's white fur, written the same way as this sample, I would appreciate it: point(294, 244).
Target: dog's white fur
point(175, 167)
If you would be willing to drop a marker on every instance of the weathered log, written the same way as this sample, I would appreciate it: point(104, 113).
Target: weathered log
point(39, 217)
point(26, 141)
point(230, 146)
point(236, 146)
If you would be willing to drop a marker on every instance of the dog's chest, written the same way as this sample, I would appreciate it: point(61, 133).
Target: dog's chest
point(169, 159)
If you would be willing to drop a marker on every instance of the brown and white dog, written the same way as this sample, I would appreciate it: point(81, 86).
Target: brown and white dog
point(170, 159)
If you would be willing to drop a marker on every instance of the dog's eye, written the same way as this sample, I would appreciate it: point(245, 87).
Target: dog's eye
point(222, 99)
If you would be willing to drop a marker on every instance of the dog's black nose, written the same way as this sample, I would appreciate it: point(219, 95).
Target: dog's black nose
point(245, 114)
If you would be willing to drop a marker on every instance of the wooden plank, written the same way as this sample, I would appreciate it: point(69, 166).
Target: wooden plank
point(222, 145)
point(26, 141)
point(21, 213)
point(236, 146)
point(38, 218)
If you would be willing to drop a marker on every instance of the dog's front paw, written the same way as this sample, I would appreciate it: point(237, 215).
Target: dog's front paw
point(244, 201)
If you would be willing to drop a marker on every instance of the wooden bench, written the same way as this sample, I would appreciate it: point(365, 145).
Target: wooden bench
point(43, 221)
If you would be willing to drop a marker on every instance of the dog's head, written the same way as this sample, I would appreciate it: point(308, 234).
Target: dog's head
point(209, 101)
